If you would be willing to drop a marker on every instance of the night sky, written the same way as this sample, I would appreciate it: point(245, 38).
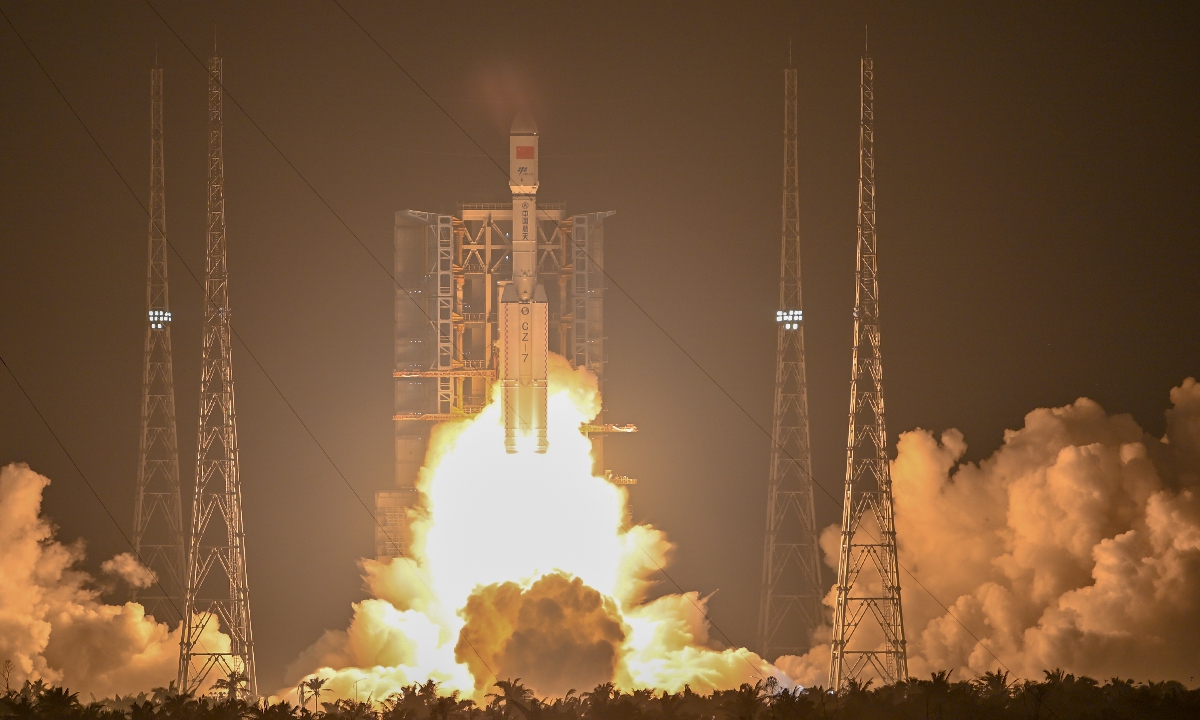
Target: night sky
point(1037, 214)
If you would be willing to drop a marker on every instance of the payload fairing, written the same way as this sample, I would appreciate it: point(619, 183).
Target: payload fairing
point(524, 312)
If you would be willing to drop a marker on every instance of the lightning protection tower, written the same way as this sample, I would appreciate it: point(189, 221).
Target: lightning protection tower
point(217, 588)
point(868, 625)
point(158, 517)
point(790, 607)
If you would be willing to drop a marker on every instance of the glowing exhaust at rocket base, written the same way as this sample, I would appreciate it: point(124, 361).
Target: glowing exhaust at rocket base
point(524, 314)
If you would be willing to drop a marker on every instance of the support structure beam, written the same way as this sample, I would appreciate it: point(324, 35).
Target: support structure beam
point(157, 510)
point(868, 626)
point(790, 609)
point(451, 274)
point(217, 583)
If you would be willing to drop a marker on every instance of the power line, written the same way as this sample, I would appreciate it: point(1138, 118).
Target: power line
point(499, 167)
point(291, 165)
point(71, 458)
point(234, 331)
point(701, 610)
point(375, 258)
point(183, 261)
point(648, 316)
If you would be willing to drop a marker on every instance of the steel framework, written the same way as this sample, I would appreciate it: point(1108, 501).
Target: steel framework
point(217, 588)
point(451, 270)
point(873, 595)
point(790, 608)
point(157, 510)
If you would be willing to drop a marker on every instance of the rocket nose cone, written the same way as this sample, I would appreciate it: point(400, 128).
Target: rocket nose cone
point(523, 124)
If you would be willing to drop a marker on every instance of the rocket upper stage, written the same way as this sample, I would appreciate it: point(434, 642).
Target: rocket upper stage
point(523, 180)
point(523, 155)
point(524, 313)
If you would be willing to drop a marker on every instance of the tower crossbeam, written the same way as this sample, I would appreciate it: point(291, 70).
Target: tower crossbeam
point(217, 586)
point(157, 510)
point(868, 586)
point(790, 608)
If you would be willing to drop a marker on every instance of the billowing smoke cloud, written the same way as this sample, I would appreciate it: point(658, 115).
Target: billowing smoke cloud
point(53, 626)
point(556, 635)
point(1076, 545)
point(502, 583)
point(127, 567)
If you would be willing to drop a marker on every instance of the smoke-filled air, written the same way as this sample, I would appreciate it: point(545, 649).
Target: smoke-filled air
point(501, 582)
point(1076, 545)
point(54, 626)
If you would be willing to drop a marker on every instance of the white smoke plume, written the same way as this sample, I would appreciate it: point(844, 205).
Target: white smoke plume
point(53, 625)
point(1076, 545)
point(520, 567)
point(128, 568)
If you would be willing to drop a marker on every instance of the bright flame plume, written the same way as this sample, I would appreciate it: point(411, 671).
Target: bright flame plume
point(521, 566)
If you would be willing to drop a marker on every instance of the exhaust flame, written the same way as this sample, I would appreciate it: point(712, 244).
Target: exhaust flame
point(520, 567)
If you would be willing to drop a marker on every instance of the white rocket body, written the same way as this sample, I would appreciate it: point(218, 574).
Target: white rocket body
point(524, 314)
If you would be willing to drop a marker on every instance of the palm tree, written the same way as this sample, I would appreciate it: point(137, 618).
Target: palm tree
point(33, 690)
point(442, 706)
point(177, 705)
point(282, 710)
point(232, 685)
point(992, 684)
point(314, 686)
point(56, 702)
point(512, 694)
point(160, 694)
point(795, 703)
point(745, 702)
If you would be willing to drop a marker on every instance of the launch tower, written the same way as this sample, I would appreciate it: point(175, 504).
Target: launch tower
point(790, 608)
point(868, 624)
point(157, 510)
point(456, 276)
point(217, 586)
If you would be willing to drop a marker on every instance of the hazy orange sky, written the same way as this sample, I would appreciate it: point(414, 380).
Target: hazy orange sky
point(1037, 213)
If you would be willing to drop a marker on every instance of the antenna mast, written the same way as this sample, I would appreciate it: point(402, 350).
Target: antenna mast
point(157, 512)
point(868, 519)
point(790, 607)
point(217, 587)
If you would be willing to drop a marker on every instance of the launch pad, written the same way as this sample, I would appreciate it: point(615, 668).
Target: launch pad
point(483, 296)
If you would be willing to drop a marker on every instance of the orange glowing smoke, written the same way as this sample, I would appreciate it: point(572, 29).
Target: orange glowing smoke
point(520, 567)
point(1076, 545)
point(55, 626)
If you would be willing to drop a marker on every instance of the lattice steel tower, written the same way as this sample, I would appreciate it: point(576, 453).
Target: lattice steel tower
point(157, 513)
point(790, 607)
point(217, 589)
point(868, 586)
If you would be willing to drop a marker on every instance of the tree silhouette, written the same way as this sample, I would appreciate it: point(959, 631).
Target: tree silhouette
point(512, 695)
point(232, 685)
point(314, 686)
point(991, 696)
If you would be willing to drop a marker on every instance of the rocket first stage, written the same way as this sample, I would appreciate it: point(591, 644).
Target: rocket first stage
point(524, 314)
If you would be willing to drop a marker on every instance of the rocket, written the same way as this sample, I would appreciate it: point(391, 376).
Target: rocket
point(524, 313)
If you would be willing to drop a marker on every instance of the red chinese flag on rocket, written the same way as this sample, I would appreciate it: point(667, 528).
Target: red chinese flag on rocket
point(524, 152)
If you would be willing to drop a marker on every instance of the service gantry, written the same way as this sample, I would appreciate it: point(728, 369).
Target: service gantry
point(790, 609)
point(157, 508)
point(868, 624)
point(217, 585)
point(450, 272)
